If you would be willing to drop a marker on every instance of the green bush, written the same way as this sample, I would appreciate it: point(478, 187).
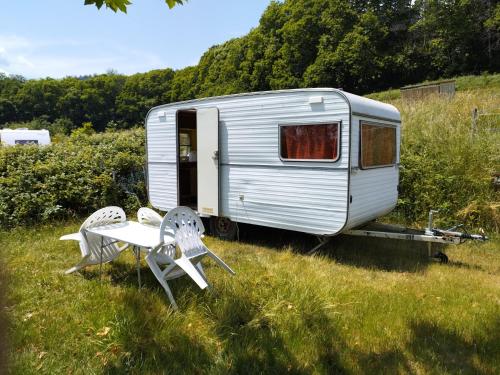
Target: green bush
point(71, 178)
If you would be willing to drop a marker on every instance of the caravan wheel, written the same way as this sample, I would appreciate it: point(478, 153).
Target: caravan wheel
point(223, 227)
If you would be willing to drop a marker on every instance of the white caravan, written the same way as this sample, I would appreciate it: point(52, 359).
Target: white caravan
point(24, 136)
point(319, 161)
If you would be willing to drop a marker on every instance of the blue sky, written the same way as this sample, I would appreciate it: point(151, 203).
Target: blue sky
point(57, 38)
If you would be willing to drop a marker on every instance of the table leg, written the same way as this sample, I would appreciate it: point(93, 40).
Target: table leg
point(137, 252)
point(100, 260)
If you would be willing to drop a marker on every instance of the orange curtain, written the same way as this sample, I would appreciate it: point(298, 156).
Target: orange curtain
point(378, 145)
point(309, 141)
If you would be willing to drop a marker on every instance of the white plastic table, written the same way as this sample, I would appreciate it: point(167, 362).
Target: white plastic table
point(140, 236)
point(147, 237)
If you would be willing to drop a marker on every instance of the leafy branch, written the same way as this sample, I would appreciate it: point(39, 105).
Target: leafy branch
point(122, 5)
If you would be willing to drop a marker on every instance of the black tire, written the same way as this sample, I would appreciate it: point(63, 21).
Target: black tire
point(442, 257)
point(223, 228)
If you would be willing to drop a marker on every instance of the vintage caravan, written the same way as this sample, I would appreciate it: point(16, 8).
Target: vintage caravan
point(24, 136)
point(320, 161)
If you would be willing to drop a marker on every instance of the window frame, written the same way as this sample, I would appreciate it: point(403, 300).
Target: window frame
point(339, 132)
point(360, 151)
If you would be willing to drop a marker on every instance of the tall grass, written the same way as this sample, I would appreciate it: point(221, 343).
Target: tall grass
point(443, 165)
point(364, 306)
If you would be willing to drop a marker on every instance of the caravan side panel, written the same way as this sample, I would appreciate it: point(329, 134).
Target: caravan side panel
point(162, 159)
point(374, 191)
point(256, 186)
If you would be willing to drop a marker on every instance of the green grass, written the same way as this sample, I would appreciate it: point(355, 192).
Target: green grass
point(361, 306)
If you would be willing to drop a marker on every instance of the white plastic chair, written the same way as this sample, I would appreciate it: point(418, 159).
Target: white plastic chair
point(187, 228)
point(148, 216)
point(94, 248)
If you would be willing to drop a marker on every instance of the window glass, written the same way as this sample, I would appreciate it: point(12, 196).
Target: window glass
point(378, 145)
point(26, 142)
point(310, 142)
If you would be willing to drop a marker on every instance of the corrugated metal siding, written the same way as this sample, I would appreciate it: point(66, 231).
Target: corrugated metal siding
point(300, 199)
point(374, 191)
point(249, 132)
point(303, 196)
point(162, 185)
point(162, 160)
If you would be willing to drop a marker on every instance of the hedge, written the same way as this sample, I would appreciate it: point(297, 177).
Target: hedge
point(71, 178)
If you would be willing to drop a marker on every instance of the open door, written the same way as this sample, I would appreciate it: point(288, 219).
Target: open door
point(207, 120)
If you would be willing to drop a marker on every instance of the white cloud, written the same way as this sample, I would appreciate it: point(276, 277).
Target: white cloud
point(13, 42)
point(63, 57)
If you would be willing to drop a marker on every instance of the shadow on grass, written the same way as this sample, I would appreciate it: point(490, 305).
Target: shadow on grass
point(457, 264)
point(444, 351)
point(254, 345)
point(378, 253)
point(251, 344)
point(151, 347)
point(120, 273)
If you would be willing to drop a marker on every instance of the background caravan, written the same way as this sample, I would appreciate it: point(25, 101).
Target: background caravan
point(318, 161)
point(24, 136)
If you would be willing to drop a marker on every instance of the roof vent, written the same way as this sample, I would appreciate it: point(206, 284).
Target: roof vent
point(315, 100)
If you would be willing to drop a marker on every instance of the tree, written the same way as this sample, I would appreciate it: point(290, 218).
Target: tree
point(122, 5)
point(140, 93)
point(8, 111)
point(38, 98)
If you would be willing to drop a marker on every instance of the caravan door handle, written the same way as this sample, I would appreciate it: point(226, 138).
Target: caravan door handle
point(216, 155)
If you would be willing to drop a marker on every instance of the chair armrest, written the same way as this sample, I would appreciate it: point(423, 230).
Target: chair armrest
point(73, 236)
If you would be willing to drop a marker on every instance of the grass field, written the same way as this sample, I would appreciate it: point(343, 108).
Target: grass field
point(358, 307)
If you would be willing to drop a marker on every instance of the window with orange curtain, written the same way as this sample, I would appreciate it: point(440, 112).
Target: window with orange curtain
point(310, 142)
point(378, 145)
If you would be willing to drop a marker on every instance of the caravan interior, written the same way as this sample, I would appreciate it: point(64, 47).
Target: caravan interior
point(187, 163)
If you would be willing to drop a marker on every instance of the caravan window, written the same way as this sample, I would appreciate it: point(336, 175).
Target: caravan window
point(310, 142)
point(378, 145)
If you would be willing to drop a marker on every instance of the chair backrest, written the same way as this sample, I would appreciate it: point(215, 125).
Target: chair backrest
point(92, 245)
point(187, 227)
point(147, 216)
point(180, 217)
point(106, 215)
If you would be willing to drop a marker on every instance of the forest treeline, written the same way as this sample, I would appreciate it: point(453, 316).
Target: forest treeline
point(359, 45)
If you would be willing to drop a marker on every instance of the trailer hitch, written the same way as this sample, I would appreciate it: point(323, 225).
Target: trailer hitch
point(452, 232)
point(430, 235)
point(451, 235)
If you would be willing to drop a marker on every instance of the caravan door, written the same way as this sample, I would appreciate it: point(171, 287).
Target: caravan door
point(207, 124)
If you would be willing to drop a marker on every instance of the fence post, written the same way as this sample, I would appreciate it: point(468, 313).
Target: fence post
point(474, 121)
